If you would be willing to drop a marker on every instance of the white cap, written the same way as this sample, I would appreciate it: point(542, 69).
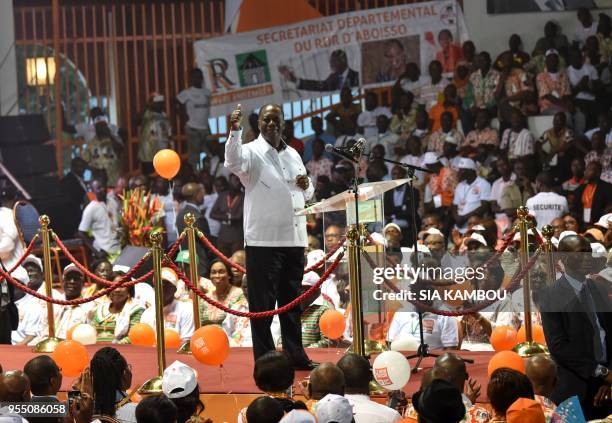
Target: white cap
point(476, 237)
point(420, 247)
point(298, 416)
point(598, 249)
point(478, 228)
point(566, 233)
point(21, 275)
point(604, 221)
point(391, 225)
point(551, 51)
point(121, 268)
point(430, 158)
point(334, 408)
point(314, 257)
point(100, 118)
point(465, 163)
point(179, 380)
point(517, 235)
point(34, 260)
point(169, 275)
point(157, 98)
point(71, 268)
point(555, 241)
point(310, 278)
point(434, 231)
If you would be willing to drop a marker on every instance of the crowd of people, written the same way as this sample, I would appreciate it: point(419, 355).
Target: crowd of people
point(468, 124)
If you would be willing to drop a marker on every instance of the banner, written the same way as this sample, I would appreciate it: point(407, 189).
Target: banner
point(367, 48)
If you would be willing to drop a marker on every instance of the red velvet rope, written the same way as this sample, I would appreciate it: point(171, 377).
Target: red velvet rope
point(238, 267)
point(76, 301)
point(261, 314)
point(127, 278)
point(26, 253)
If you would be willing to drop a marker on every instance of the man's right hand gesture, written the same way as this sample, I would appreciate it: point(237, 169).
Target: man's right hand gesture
point(236, 118)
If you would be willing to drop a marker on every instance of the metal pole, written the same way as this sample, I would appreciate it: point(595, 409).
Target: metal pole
point(193, 274)
point(47, 345)
point(154, 386)
point(548, 232)
point(353, 258)
point(529, 347)
point(56, 86)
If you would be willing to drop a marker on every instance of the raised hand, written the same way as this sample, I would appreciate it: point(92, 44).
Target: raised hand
point(236, 118)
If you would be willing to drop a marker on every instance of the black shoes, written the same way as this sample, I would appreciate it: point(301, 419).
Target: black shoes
point(306, 365)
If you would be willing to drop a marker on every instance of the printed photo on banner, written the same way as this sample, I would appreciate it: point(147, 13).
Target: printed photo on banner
point(524, 6)
point(307, 59)
point(386, 60)
point(324, 71)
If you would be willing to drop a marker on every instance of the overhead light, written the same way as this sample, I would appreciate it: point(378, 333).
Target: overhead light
point(40, 71)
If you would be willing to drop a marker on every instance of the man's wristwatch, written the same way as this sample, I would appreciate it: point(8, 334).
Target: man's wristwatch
point(601, 371)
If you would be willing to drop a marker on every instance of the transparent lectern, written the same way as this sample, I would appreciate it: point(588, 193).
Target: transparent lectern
point(361, 222)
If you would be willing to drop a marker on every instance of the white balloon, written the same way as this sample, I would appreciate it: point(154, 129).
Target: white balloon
point(407, 343)
point(85, 334)
point(391, 370)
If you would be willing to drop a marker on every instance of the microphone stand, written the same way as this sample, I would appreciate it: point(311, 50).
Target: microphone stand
point(423, 350)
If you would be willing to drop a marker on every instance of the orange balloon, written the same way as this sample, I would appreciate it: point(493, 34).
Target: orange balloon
point(69, 332)
point(167, 163)
point(209, 345)
point(503, 338)
point(537, 333)
point(332, 324)
point(171, 338)
point(506, 359)
point(142, 334)
point(71, 357)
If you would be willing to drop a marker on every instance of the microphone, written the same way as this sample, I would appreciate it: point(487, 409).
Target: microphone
point(345, 153)
point(358, 147)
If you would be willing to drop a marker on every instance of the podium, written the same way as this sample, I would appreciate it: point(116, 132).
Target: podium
point(360, 214)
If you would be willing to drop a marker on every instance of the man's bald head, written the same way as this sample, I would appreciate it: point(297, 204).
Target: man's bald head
point(574, 244)
point(327, 378)
point(454, 367)
point(14, 386)
point(190, 190)
point(542, 373)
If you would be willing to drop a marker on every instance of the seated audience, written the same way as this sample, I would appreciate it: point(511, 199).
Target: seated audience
point(221, 290)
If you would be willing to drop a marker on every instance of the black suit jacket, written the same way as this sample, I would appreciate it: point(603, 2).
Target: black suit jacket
point(569, 335)
point(45, 419)
point(403, 211)
point(602, 199)
point(332, 83)
point(201, 223)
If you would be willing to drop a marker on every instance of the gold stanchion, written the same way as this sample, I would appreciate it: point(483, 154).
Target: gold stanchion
point(193, 274)
point(548, 232)
point(47, 345)
point(529, 347)
point(355, 286)
point(154, 386)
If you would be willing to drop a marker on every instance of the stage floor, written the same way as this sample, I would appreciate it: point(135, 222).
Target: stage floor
point(235, 376)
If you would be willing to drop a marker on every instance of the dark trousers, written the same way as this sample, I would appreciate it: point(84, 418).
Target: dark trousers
point(275, 275)
point(5, 326)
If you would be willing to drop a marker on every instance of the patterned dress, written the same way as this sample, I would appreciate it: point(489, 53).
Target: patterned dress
point(210, 315)
point(114, 327)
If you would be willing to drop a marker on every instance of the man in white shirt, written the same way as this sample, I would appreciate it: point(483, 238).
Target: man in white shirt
point(178, 315)
point(603, 126)
point(276, 186)
point(99, 219)
point(29, 311)
point(67, 316)
point(546, 205)
point(586, 27)
point(440, 332)
point(506, 179)
point(367, 118)
point(194, 104)
point(357, 376)
point(471, 194)
point(383, 137)
point(87, 130)
point(584, 81)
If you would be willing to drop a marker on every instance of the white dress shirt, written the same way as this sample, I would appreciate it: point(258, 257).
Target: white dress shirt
point(439, 331)
point(29, 318)
point(178, 315)
point(367, 411)
point(271, 195)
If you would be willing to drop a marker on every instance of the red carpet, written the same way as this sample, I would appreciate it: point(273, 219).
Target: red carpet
point(235, 376)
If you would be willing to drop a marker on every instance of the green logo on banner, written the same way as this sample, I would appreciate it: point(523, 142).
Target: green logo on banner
point(253, 68)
